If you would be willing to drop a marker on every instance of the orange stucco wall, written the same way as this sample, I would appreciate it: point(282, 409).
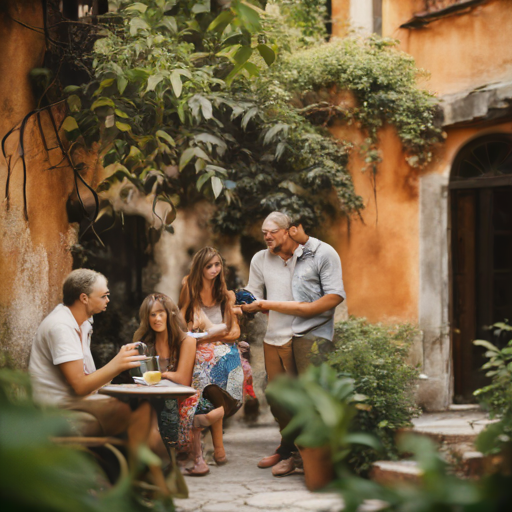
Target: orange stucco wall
point(380, 252)
point(461, 51)
point(35, 253)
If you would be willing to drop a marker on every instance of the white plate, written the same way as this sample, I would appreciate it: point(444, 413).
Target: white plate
point(197, 335)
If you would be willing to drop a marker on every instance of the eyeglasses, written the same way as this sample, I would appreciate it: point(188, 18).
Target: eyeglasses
point(266, 232)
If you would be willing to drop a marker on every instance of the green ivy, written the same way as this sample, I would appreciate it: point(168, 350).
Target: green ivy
point(383, 82)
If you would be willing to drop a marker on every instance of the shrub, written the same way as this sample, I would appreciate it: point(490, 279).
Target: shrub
point(497, 396)
point(374, 355)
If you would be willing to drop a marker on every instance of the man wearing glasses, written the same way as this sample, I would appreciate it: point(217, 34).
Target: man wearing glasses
point(298, 279)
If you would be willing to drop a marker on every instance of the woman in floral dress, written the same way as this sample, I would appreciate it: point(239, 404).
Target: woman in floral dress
point(208, 306)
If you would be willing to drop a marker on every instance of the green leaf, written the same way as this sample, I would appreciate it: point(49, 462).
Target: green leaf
point(137, 74)
point(221, 21)
point(120, 113)
point(242, 55)
point(169, 22)
point(102, 102)
point(123, 126)
point(122, 82)
point(272, 132)
point(176, 83)
point(70, 124)
point(137, 24)
point(181, 112)
point(153, 81)
point(216, 168)
point(200, 7)
point(74, 102)
point(137, 6)
point(248, 17)
point(202, 180)
point(267, 53)
point(252, 69)
point(185, 158)
point(201, 154)
point(71, 89)
point(200, 102)
point(486, 344)
point(217, 186)
point(248, 116)
point(164, 135)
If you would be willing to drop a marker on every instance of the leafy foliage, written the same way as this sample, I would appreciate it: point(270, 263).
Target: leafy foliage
point(437, 490)
point(374, 356)
point(319, 402)
point(37, 474)
point(183, 108)
point(497, 396)
point(383, 83)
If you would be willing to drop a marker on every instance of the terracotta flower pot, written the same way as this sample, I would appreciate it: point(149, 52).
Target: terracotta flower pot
point(318, 467)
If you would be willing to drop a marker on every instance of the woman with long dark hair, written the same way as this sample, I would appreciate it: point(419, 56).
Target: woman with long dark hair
point(208, 306)
point(163, 331)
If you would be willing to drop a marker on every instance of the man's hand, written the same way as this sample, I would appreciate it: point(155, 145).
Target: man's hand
point(128, 357)
point(254, 307)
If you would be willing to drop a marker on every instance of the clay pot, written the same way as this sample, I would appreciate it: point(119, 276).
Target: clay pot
point(318, 467)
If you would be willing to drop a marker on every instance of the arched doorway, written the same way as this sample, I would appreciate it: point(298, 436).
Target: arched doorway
point(481, 252)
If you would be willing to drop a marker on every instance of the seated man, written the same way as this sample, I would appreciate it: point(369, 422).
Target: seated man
point(63, 371)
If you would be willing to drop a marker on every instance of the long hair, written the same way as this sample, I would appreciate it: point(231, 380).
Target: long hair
point(193, 285)
point(175, 325)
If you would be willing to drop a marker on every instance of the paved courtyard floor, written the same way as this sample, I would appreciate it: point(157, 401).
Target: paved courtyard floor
point(240, 486)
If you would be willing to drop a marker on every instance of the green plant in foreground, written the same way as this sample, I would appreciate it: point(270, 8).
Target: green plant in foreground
point(497, 396)
point(37, 474)
point(436, 491)
point(374, 355)
point(320, 403)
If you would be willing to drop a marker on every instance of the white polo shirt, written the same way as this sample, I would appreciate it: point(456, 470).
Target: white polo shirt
point(58, 340)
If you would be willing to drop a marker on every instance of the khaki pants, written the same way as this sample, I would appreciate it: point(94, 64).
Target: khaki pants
point(292, 359)
point(99, 415)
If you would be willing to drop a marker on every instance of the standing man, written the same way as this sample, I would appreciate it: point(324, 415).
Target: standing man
point(298, 279)
point(62, 368)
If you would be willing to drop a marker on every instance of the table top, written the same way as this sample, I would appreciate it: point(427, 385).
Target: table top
point(139, 390)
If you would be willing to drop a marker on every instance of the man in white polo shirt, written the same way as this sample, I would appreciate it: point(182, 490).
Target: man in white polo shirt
point(298, 279)
point(62, 368)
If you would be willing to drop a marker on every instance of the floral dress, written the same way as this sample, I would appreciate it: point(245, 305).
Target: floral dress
point(218, 377)
point(218, 372)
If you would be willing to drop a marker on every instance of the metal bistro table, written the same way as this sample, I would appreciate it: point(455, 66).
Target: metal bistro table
point(174, 484)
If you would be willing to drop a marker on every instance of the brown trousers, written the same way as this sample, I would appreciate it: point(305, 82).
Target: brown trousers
point(293, 359)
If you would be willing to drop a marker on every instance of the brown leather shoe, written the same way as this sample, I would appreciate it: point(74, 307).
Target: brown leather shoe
point(285, 467)
point(268, 462)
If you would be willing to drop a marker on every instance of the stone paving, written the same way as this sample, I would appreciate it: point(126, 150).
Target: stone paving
point(240, 486)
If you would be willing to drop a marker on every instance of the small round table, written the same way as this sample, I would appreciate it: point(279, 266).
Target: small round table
point(141, 391)
point(174, 391)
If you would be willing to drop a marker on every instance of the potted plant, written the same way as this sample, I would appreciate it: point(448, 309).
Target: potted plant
point(322, 405)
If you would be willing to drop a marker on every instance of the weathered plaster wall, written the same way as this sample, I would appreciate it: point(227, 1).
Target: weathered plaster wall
point(34, 248)
point(461, 51)
point(380, 252)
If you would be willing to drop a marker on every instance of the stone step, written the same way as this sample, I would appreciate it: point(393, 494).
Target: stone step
point(455, 430)
point(395, 472)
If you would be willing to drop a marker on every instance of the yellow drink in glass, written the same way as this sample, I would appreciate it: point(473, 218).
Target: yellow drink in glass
point(152, 377)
